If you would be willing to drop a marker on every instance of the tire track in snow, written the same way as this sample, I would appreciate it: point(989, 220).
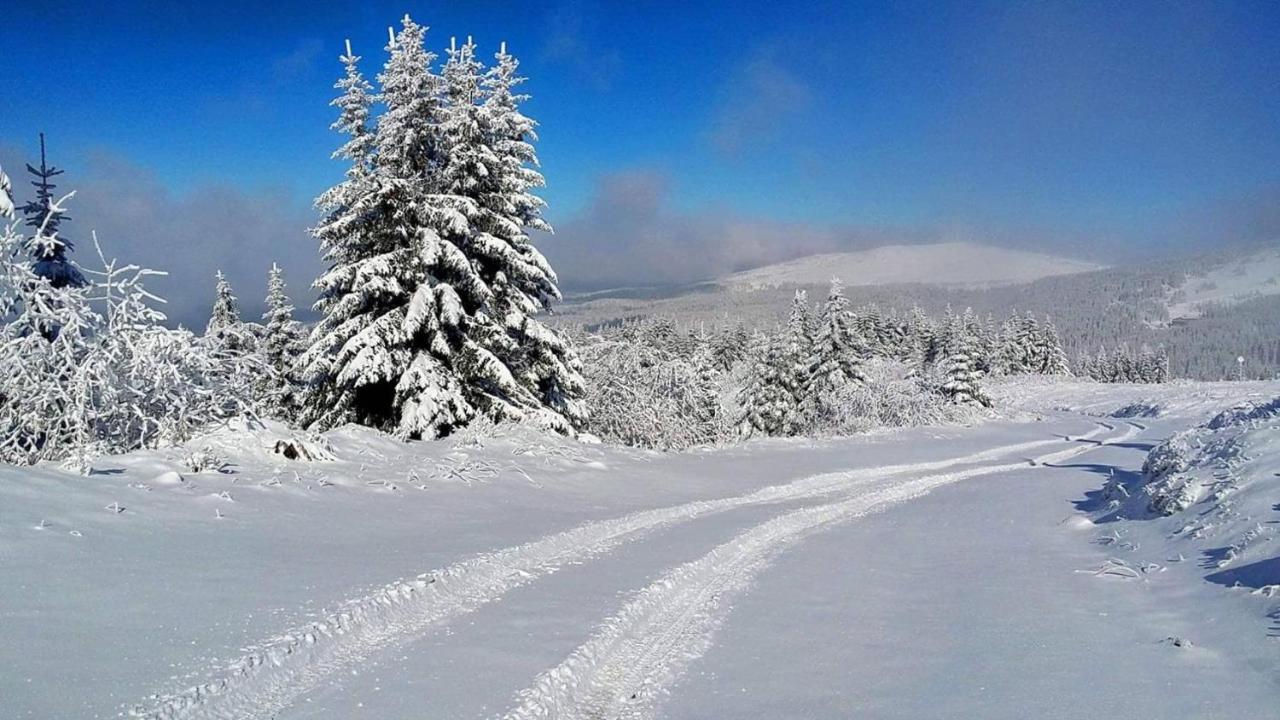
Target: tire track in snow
point(272, 675)
point(633, 658)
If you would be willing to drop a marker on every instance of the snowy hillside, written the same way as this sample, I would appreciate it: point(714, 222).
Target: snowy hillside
point(924, 572)
point(1251, 275)
point(954, 264)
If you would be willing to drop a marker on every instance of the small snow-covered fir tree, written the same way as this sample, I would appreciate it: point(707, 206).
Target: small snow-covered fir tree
point(46, 246)
point(836, 356)
point(730, 347)
point(1052, 358)
point(766, 405)
point(282, 342)
point(960, 381)
point(797, 366)
point(226, 310)
point(283, 334)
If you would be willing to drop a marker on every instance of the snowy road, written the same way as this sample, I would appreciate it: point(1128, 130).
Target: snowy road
point(632, 660)
point(273, 677)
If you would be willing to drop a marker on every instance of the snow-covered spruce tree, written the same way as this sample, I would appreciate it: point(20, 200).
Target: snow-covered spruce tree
point(46, 247)
point(730, 347)
point(981, 344)
point(797, 366)
point(529, 369)
point(1051, 358)
point(226, 310)
point(960, 378)
point(836, 353)
point(766, 405)
point(350, 301)
point(1022, 348)
point(387, 318)
point(870, 326)
point(919, 331)
point(419, 333)
point(282, 342)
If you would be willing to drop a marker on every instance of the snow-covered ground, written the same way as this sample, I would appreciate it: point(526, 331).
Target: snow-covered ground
point(930, 572)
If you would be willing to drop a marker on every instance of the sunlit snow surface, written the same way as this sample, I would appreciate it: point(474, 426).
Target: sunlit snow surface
point(921, 573)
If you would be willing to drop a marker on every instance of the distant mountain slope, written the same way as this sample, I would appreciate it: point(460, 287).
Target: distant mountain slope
point(955, 264)
point(1250, 275)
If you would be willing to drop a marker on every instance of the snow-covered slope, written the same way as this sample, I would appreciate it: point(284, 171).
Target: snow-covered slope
point(954, 264)
point(1251, 275)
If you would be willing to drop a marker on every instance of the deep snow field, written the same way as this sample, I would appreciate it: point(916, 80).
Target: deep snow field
point(1022, 567)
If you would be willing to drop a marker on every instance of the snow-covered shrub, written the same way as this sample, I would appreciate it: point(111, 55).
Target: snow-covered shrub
point(91, 370)
point(645, 397)
point(1244, 413)
point(1166, 486)
point(204, 460)
point(891, 396)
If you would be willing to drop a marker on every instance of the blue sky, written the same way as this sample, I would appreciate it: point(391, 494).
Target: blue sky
point(684, 139)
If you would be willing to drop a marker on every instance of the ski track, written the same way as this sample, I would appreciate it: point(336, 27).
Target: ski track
point(273, 674)
point(634, 657)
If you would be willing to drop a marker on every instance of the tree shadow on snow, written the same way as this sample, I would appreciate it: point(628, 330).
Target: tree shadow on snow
point(1254, 575)
point(1143, 446)
point(1093, 500)
point(1214, 557)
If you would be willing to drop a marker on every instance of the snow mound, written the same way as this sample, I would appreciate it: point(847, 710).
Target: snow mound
point(168, 478)
point(1218, 482)
point(958, 264)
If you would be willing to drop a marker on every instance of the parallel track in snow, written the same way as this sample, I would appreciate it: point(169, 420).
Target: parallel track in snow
point(635, 656)
point(271, 676)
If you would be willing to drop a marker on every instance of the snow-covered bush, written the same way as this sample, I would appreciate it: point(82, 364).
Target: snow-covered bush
point(891, 396)
point(204, 460)
point(91, 370)
point(645, 397)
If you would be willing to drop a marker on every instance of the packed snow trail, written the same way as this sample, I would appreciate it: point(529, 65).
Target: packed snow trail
point(634, 657)
point(272, 676)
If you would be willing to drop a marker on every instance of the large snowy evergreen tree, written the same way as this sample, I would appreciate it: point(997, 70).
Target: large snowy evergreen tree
point(350, 300)
point(46, 247)
point(523, 282)
point(432, 282)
